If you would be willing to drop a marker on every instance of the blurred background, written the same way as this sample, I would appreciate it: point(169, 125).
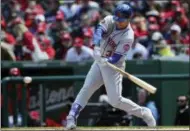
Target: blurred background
point(51, 41)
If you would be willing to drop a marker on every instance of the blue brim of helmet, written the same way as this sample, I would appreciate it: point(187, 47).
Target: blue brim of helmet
point(118, 19)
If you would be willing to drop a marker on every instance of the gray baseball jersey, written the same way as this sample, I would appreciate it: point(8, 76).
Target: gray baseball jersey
point(114, 41)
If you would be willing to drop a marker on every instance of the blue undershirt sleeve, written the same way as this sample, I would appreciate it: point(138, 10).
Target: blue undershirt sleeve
point(98, 36)
point(114, 58)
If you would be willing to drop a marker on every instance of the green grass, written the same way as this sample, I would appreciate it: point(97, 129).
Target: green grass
point(168, 128)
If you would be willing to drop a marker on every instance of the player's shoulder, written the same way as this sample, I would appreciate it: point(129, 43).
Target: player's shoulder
point(129, 33)
point(108, 18)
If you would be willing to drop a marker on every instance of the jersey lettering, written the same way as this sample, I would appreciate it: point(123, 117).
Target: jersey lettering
point(111, 42)
point(112, 48)
point(118, 41)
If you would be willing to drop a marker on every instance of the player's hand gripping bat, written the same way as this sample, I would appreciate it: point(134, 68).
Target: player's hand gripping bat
point(134, 79)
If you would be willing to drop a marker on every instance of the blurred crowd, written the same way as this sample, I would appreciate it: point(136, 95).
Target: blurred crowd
point(40, 30)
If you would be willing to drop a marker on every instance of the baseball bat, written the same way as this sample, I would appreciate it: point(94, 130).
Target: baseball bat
point(134, 79)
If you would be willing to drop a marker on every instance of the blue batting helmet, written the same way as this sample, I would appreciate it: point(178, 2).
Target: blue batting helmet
point(122, 12)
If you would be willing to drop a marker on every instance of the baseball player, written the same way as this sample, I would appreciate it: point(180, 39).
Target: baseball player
point(112, 39)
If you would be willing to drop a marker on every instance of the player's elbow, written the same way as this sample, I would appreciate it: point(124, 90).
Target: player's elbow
point(115, 58)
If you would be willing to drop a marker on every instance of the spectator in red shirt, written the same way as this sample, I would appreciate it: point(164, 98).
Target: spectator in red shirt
point(140, 28)
point(45, 46)
point(7, 43)
point(44, 42)
point(167, 16)
point(29, 46)
point(5, 36)
point(88, 38)
point(181, 19)
point(32, 10)
point(24, 4)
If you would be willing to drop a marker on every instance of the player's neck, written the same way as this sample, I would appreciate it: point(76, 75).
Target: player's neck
point(122, 27)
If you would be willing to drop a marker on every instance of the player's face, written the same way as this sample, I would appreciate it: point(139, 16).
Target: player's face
point(122, 24)
point(121, 21)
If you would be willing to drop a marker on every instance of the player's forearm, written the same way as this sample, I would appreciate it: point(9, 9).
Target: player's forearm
point(98, 36)
point(114, 58)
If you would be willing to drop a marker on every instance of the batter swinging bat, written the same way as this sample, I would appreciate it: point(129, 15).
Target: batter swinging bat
point(134, 79)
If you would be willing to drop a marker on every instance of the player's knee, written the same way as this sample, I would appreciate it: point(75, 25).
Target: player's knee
point(115, 101)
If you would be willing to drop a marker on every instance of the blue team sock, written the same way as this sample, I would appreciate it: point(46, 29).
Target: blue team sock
point(75, 110)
